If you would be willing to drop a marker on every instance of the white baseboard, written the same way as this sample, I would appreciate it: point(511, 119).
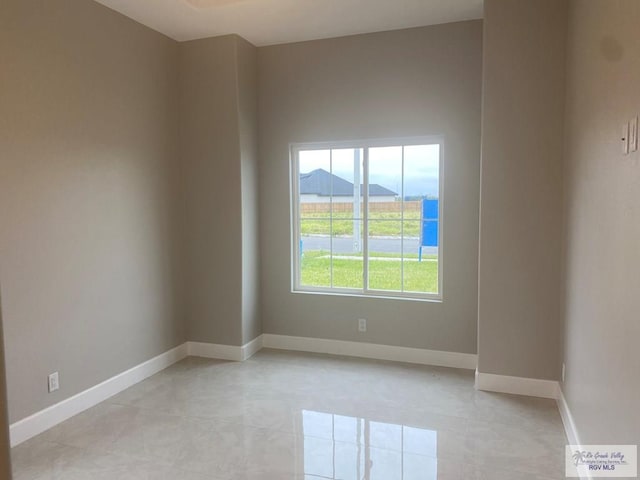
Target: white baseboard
point(225, 352)
point(567, 420)
point(214, 350)
point(251, 348)
point(37, 423)
point(532, 387)
point(569, 424)
point(371, 350)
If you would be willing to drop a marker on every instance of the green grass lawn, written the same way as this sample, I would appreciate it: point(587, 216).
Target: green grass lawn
point(383, 274)
point(386, 224)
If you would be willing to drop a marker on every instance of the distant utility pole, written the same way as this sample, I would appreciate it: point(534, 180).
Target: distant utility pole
point(356, 200)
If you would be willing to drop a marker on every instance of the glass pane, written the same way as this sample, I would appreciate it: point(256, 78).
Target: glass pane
point(421, 172)
point(384, 255)
point(310, 209)
point(314, 186)
point(347, 258)
point(346, 182)
point(421, 194)
point(385, 182)
point(315, 253)
point(385, 213)
point(420, 265)
point(412, 209)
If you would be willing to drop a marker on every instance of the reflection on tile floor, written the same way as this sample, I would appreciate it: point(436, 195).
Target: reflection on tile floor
point(294, 416)
point(338, 446)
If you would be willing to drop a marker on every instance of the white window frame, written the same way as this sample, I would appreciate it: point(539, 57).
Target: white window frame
point(294, 151)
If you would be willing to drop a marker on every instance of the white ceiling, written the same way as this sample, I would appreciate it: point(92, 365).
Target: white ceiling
point(269, 22)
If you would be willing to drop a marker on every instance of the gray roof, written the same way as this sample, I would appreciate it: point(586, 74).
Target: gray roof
point(319, 181)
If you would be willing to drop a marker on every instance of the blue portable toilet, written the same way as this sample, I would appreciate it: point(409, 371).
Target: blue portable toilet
point(429, 225)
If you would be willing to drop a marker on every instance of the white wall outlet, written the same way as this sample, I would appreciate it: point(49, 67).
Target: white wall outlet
point(633, 134)
point(362, 324)
point(54, 383)
point(563, 370)
point(624, 137)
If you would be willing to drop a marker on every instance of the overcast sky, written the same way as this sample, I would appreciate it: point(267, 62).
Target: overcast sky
point(385, 167)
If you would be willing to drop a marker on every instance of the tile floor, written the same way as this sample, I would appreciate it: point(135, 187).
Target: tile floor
point(294, 416)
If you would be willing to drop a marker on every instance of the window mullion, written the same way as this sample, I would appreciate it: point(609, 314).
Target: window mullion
point(331, 218)
point(365, 219)
point(297, 215)
point(402, 223)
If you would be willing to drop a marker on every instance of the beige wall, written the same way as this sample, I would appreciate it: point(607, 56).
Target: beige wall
point(247, 60)
point(519, 311)
point(210, 161)
point(602, 385)
point(219, 171)
point(412, 82)
point(88, 155)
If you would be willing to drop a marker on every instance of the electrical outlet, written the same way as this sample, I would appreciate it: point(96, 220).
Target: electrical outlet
point(563, 370)
point(54, 383)
point(362, 324)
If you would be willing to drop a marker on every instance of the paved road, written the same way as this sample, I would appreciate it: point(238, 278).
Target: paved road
point(381, 245)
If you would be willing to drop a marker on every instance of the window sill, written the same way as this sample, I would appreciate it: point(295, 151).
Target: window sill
point(378, 296)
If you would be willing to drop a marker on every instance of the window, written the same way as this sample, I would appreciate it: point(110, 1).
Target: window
point(366, 218)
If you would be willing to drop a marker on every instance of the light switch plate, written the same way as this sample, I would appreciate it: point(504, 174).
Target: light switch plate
point(633, 134)
point(624, 137)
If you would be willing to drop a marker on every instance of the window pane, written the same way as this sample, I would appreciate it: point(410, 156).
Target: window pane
point(421, 172)
point(346, 198)
point(412, 209)
point(385, 175)
point(420, 275)
point(347, 261)
point(385, 213)
point(315, 253)
point(314, 209)
point(384, 243)
point(346, 180)
point(421, 191)
point(314, 186)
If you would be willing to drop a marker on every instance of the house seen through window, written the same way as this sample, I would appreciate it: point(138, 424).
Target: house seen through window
point(367, 217)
